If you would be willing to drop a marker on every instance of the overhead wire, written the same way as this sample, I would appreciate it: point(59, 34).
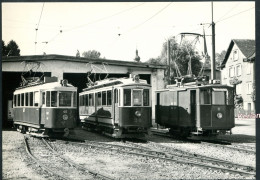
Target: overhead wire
point(103, 18)
point(38, 28)
point(95, 21)
point(235, 14)
point(158, 12)
point(234, 7)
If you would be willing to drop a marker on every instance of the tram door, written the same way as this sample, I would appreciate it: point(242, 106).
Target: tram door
point(193, 105)
point(116, 109)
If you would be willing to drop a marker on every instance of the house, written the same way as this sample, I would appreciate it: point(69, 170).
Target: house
point(238, 66)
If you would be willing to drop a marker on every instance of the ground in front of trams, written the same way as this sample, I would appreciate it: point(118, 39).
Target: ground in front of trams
point(17, 165)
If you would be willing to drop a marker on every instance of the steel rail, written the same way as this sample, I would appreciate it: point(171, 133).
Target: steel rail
point(209, 159)
point(210, 142)
point(229, 147)
point(77, 165)
point(39, 162)
point(161, 155)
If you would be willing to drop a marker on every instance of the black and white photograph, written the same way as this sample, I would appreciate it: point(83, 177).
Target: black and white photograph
point(129, 90)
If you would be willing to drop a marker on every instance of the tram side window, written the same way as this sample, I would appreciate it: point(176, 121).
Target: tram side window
point(65, 99)
point(137, 97)
point(22, 100)
point(99, 99)
point(36, 98)
point(104, 98)
point(74, 99)
point(127, 97)
point(19, 100)
point(146, 97)
point(14, 100)
point(219, 97)
point(31, 98)
point(91, 100)
point(43, 98)
point(109, 98)
point(81, 100)
point(205, 96)
point(26, 99)
point(86, 100)
point(48, 99)
point(116, 96)
point(53, 98)
point(230, 97)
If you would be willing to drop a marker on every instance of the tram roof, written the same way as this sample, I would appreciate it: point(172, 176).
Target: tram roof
point(116, 82)
point(43, 86)
point(183, 88)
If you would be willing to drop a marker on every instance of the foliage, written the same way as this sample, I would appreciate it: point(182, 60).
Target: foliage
point(180, 54)
point(220, 57)
point(11, 49)
point(156, 61)
point(4, 50)
point(238, 101)
point(77, 54)
point(235, 81)
point(91, 54)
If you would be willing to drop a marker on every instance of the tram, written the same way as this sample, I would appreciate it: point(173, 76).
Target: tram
point(196, 108)
point(118, 107)
point(45, 107)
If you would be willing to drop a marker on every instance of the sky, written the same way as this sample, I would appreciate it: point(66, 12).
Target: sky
point(117, 29)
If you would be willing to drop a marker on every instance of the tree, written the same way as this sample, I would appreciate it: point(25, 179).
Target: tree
point(180, 57)
point(91, 54)
point(12, 49)
point(220, 57)
point(155, 60)
point(238, 99)
point(4, 50)
point(77, 54)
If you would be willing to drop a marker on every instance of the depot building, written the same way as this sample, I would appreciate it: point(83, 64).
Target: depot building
point(76, 70)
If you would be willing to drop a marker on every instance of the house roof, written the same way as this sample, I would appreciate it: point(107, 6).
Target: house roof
point(250, 58)
point(246, 46)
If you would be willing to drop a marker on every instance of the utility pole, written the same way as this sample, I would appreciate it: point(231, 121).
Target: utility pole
point(213, 68)
point(168, 62)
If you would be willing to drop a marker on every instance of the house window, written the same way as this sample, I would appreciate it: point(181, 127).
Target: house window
point(249, 88)
point(235, 55)
point(238, 88)
point(238, 70)
point(231, 72)
point(248, 68)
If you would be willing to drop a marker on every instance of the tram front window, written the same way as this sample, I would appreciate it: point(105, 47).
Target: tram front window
point(53, 98)
point(205, 96)
point(65, 99)
point(219, 97)
point(146, 97)
point(127, 97)
point(137, 97)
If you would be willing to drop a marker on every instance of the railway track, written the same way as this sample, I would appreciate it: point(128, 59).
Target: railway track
point(56, 164)
point(204, 162)
point(215, 142)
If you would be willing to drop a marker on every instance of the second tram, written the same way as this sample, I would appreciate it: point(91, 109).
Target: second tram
point(120, 108)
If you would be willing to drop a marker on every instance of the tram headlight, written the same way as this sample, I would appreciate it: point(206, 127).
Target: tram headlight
point(219, 115)
point(138, 113)
point(65, 117)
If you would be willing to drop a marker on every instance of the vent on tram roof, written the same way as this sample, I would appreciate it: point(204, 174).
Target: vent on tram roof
point(50, 79)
